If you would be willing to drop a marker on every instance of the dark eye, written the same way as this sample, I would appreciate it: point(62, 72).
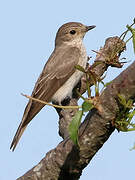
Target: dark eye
point(72, 32)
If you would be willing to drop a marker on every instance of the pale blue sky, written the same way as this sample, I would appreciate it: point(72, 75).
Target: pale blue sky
point(27, 33)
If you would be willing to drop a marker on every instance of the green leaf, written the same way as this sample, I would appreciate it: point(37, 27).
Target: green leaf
point(80, 68)
point(129, 104)
point(122, 99)
point(132, 30)
point(74, 126)
point(130, 115)
point(87, 106)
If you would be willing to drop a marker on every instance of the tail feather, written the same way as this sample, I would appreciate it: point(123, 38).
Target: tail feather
point(17, 136)
point(30, 112)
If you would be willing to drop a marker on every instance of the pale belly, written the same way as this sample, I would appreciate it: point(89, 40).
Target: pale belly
point(66, 89)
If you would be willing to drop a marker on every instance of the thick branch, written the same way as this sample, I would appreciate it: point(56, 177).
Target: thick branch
point(66, 161)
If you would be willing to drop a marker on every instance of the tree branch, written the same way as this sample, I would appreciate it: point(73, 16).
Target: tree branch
point(67, 161)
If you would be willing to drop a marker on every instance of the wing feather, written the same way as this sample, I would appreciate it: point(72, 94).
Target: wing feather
point(57, 70)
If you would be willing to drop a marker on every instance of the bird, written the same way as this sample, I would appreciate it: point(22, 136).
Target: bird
point(59, 75)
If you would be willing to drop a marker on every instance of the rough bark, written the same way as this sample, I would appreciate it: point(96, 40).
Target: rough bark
point(67, 161)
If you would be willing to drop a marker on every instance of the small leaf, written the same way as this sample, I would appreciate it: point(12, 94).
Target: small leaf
point(122, 99)
point(131, 114)
point(74, 126)
point(129, 104)
point(80, 68)
point(87, 106)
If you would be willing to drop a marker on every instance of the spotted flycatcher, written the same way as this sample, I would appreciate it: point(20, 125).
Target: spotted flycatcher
point(59, 75)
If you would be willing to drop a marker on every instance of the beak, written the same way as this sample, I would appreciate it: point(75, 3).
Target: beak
point(90, 27)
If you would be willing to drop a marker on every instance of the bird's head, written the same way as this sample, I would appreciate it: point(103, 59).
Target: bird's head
point(71, 31)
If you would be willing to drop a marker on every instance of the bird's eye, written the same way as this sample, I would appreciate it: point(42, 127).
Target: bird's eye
point(72, 32)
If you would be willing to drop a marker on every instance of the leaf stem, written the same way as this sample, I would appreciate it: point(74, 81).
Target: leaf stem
point(124, 33)
point(129, 39)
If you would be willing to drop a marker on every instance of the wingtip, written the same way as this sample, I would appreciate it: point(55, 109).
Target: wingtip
point(13, 145)
point(17, 137)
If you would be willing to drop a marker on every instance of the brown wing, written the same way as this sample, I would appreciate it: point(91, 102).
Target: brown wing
point(57, 70)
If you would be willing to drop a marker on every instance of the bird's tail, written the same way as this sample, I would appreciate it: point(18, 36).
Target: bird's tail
point(30, 112)
point(17, 136)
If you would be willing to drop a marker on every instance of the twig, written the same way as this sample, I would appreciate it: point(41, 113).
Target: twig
point(53, 105)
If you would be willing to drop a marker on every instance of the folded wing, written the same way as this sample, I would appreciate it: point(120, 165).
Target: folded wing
point(57, 70)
